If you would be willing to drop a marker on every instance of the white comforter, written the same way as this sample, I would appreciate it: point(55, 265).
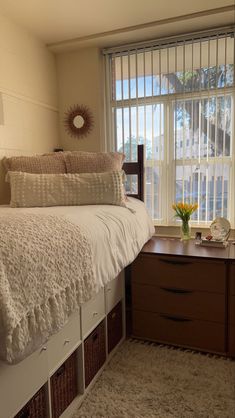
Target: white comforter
point(114, 235)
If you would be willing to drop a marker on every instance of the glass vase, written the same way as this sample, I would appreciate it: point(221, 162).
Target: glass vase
point(185, 231)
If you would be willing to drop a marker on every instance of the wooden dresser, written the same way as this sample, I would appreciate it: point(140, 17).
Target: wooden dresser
point(184, 295)
point(231, 303)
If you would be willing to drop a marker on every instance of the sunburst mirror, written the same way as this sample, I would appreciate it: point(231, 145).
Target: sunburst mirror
point(78, 121)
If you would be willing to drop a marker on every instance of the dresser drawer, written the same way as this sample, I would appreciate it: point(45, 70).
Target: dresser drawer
point(180, 272)
point(114, 292)
point(191, 303)
point(92, 312)
point(63, 343)
point(20, 382)
point(180, 331)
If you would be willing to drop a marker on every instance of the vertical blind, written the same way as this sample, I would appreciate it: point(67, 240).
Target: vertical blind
point(177, 98)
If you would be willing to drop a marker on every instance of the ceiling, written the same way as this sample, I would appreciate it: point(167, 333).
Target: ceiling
point(56, 21)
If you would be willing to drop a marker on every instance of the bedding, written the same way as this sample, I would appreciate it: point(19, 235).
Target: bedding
point(48, 163)
point(93, 162)
point(54, 259)
point(30, 190)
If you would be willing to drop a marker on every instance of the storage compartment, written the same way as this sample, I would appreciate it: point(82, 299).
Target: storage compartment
point(92, 313)
point(114, 292)
point(115, 329)
point(176, 301)
point(60, 345)
point(94, 352)
point(178, 330)
point(36, 407)
point(64, 385)
point(23, 379)
point(181, 272)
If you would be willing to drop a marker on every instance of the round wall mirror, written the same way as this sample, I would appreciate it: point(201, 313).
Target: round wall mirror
point(78, 121)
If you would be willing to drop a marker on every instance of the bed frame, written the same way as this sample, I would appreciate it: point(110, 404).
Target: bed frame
point(137, 168)
point(133, 168)
point(19, 385)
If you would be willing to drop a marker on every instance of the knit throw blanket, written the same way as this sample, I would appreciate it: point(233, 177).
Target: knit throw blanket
point(46, 272)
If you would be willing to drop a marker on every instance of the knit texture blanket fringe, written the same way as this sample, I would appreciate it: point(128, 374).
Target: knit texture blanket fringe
point(46, 272)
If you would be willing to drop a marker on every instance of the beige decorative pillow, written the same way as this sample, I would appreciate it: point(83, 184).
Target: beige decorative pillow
point(29, 190)
point(48, 163)
point(93, 162)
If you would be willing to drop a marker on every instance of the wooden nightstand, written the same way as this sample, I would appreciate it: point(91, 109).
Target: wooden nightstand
point(231, 303)
point(180, 295)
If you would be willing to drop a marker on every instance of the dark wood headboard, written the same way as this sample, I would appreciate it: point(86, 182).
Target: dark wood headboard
point(137, 168)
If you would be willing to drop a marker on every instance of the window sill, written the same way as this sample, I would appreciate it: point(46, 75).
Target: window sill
point(174, 231)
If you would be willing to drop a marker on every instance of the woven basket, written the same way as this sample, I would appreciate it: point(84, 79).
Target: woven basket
point(64, 387)
point(115, 331)
point(94, 352)
point(36, 407)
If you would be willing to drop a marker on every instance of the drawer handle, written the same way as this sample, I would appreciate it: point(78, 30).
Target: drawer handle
point(66, 341)
point(175, 318)
point(43, 349)
point(176, 290)
point(175, 262)
point(95, 313)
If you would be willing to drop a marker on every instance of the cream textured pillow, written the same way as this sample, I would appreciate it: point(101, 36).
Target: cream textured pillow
point(29, 190)
point(93, 162)
point(48, 163)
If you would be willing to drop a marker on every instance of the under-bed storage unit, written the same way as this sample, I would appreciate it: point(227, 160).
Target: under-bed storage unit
point(66, 365)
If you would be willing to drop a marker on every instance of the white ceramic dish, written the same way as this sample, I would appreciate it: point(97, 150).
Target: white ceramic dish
point(220, 229)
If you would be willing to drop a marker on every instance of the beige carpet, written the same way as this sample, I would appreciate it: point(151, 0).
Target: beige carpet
point(149, 381)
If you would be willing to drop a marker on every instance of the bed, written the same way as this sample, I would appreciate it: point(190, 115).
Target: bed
point(115, 236)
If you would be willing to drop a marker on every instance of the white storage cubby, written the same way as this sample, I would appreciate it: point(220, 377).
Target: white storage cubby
point(20, 382)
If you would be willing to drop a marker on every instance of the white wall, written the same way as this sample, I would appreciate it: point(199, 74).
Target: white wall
point(80, 82)
point(28, 95)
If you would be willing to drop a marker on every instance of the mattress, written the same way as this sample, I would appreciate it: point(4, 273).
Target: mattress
point(116, 233)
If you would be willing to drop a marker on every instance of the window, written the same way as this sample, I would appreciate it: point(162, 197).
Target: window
point(177, 98)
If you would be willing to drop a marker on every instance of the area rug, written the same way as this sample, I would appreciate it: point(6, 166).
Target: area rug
point(150, 381)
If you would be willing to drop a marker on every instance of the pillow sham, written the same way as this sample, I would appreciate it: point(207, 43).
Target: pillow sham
point(39, 190)
point(93, 162)
point(48, 163)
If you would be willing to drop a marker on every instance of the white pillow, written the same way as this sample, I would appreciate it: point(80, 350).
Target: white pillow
point(30, 190)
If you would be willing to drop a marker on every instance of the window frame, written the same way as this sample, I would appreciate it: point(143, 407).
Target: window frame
point(169, 163)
